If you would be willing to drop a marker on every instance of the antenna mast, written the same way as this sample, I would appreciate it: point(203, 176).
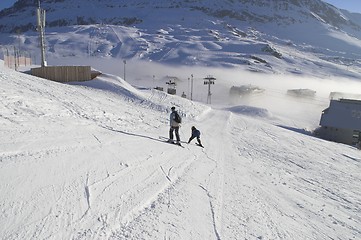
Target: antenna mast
point(41, 30)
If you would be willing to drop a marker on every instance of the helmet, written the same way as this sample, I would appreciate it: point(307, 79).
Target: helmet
point(173, 108)
point(193, 127)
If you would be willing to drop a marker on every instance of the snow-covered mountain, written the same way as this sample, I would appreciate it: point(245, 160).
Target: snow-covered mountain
point(257, 35)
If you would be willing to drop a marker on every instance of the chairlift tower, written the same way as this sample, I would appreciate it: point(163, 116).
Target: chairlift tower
point(41, 30)
point(209, 80)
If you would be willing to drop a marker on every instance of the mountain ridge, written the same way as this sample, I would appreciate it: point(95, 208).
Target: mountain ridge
point(242, 10)
point(186, 32)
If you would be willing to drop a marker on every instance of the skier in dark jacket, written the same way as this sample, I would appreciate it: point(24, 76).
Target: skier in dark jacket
point(195, 134)
point(174, 127)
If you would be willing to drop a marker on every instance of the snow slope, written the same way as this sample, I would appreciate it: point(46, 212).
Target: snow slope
point(88, 161)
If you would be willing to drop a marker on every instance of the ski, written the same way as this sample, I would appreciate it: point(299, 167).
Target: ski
point(173, 143)
point(199, 145)
point(167, 141)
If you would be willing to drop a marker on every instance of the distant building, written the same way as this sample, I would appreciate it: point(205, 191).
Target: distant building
point(341, 121)
point(243, 90)
point(303, 92)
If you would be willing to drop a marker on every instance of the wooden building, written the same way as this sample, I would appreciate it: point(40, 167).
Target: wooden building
point(65, 73)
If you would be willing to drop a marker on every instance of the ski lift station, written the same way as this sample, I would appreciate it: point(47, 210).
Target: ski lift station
point(172, 85)
point(341, 121)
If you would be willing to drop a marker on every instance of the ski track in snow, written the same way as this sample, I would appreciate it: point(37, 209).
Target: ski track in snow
point(78, 162)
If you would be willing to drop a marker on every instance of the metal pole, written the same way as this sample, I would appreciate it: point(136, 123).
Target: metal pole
point(15, 60)
point(8, 57)
point(191, 87)
point(209, 93)
point(18, 55)
point(125, 62)
point(188, 87)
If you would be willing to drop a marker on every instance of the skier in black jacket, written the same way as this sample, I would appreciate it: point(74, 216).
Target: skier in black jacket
point(195, 134)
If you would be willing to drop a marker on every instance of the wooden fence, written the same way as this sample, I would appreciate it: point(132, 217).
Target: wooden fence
point(14, 62)
point(64, 73)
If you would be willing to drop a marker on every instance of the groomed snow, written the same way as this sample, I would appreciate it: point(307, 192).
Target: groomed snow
point(88, 161)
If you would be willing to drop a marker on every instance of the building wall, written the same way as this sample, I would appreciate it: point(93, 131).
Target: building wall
point(337, 135)
point(342, 114)
point(341, 122)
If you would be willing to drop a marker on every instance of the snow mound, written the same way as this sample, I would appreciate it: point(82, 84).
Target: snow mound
point(250, 111)
point(113, 84)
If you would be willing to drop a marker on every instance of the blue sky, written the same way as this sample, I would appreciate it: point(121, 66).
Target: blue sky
point(6, 3)
point(351, 5)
